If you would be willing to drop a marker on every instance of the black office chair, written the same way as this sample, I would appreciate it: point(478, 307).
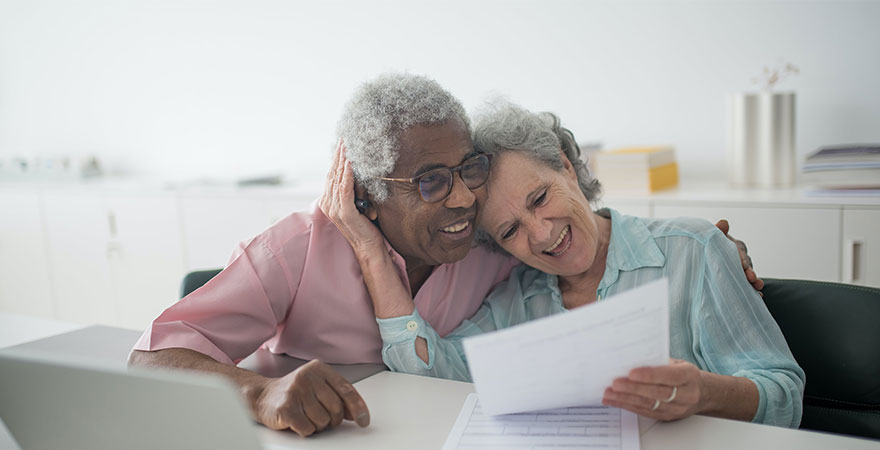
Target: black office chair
point(833, 331)
point(195, 280)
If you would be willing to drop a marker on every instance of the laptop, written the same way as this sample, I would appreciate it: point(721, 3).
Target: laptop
point(50, 403)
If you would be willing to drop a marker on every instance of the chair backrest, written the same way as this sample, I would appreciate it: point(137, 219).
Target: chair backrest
point(195, 280)
point(833, 331)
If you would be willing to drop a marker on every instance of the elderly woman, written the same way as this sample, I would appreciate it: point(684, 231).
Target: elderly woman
point(731, 360)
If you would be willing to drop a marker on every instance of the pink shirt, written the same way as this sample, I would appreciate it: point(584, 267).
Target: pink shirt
point(298, 289)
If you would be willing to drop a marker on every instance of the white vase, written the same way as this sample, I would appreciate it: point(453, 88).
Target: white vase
point(761, 139)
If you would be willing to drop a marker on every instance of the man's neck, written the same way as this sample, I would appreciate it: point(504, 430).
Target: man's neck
point(418, 273)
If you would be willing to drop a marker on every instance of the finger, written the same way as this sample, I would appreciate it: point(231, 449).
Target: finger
point(651, 391)
point(632, 400)
point(660, 413)
point(332, 403)
point(750, 275)
point(296, 420)
point(723, 225)
point(355, 406)
point(758, 283)
point(316, 412)
point(670, 375)
point(347, 184)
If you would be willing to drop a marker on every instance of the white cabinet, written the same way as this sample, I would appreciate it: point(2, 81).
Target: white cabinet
point(146, 256)
point(78, 232)
point(95, 254)
point(116, 259)
point(213, 227)
point(783, 242)
point(25, 285)
point(860, 255)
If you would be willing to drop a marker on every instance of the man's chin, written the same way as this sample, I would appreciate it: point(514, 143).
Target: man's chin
point(456, 254)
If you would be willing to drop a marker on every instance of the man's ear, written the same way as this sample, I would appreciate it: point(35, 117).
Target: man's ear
point(363, 203)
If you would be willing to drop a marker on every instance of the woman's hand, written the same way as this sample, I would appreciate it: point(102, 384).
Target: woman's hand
point(670, 392)
point(337, 203)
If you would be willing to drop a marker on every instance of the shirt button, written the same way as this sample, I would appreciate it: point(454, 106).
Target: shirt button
point(412, 325)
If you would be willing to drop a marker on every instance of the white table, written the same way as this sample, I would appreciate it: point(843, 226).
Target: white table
point(412, 412)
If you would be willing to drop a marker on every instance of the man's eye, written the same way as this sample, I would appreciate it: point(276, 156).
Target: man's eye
point(510, 231)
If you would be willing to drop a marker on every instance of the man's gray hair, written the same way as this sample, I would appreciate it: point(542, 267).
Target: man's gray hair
point(504, 126)
point(377, 114)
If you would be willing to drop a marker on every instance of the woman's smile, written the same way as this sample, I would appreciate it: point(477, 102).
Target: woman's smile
point(562, 244)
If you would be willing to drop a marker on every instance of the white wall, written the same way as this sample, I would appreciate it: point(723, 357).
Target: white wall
point(186, 88)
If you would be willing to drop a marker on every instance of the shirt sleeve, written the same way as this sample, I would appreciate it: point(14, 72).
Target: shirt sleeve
point(232, 314)
point(737, 336)
point(505, 306)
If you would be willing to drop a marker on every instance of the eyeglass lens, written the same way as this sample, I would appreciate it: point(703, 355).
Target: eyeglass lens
point(436, 184)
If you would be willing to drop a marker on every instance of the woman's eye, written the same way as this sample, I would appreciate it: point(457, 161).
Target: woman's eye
point(540, 200)
point(507, 234)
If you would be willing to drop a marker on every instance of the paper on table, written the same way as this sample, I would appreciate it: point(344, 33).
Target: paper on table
point(569, 359)
point(570, 428)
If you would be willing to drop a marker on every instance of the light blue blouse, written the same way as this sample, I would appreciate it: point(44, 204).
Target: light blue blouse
point(718, 321)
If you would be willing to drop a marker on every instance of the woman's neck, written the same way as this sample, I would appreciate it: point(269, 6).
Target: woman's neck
point(580, 289)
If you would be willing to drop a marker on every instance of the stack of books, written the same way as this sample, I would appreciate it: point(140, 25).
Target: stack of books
point(637, 169)
point(847, 169)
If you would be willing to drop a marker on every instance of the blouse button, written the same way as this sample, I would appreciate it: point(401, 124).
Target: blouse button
point(412, 325)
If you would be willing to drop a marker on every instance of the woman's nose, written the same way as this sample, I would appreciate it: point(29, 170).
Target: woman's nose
point(540, 231)
point(460, 196)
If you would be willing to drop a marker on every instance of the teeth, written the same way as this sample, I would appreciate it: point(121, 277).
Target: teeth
point(456, 228)
point(558, 240)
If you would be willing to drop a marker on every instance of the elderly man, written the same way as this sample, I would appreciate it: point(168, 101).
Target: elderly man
point(297, 288)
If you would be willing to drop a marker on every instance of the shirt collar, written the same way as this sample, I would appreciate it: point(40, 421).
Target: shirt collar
point(631, 247)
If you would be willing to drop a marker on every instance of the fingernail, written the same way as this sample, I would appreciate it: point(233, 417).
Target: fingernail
point(363, 419)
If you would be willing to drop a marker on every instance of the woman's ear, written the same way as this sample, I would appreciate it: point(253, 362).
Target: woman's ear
point(363, 203)
point(568, 166)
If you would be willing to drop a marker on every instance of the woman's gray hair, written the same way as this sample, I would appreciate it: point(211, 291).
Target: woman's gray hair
point(508, 127)
point(377, 114)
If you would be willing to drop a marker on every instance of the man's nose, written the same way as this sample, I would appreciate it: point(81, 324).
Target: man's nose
point(460, 196)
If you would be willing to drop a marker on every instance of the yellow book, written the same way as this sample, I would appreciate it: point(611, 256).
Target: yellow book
point(637, 169)
point(663, 177)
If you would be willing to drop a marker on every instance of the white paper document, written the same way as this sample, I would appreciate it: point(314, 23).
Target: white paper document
point(565, 428)
point(569, 359)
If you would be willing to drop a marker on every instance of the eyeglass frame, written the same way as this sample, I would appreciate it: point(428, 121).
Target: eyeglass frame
point(452, 170)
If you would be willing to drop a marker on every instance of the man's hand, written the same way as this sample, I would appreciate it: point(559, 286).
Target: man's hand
point(744, 257)
point(308, 400)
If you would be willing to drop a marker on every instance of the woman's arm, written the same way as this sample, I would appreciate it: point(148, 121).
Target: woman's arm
point(751, 374)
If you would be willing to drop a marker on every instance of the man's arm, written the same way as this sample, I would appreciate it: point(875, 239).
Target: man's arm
point(744, 257)
point(307, 400)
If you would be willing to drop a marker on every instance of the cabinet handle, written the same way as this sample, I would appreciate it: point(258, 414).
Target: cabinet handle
point(111, 223)
point(853, 260)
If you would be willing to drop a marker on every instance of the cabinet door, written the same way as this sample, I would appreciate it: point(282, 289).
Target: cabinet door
point(213, 227)
point(280, 208)
point(25, 284)
point(783, 242)
point(78, 233)
point(146, 257)
point(861, 247)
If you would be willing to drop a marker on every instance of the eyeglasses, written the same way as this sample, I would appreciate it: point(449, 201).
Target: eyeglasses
point(436, 184)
